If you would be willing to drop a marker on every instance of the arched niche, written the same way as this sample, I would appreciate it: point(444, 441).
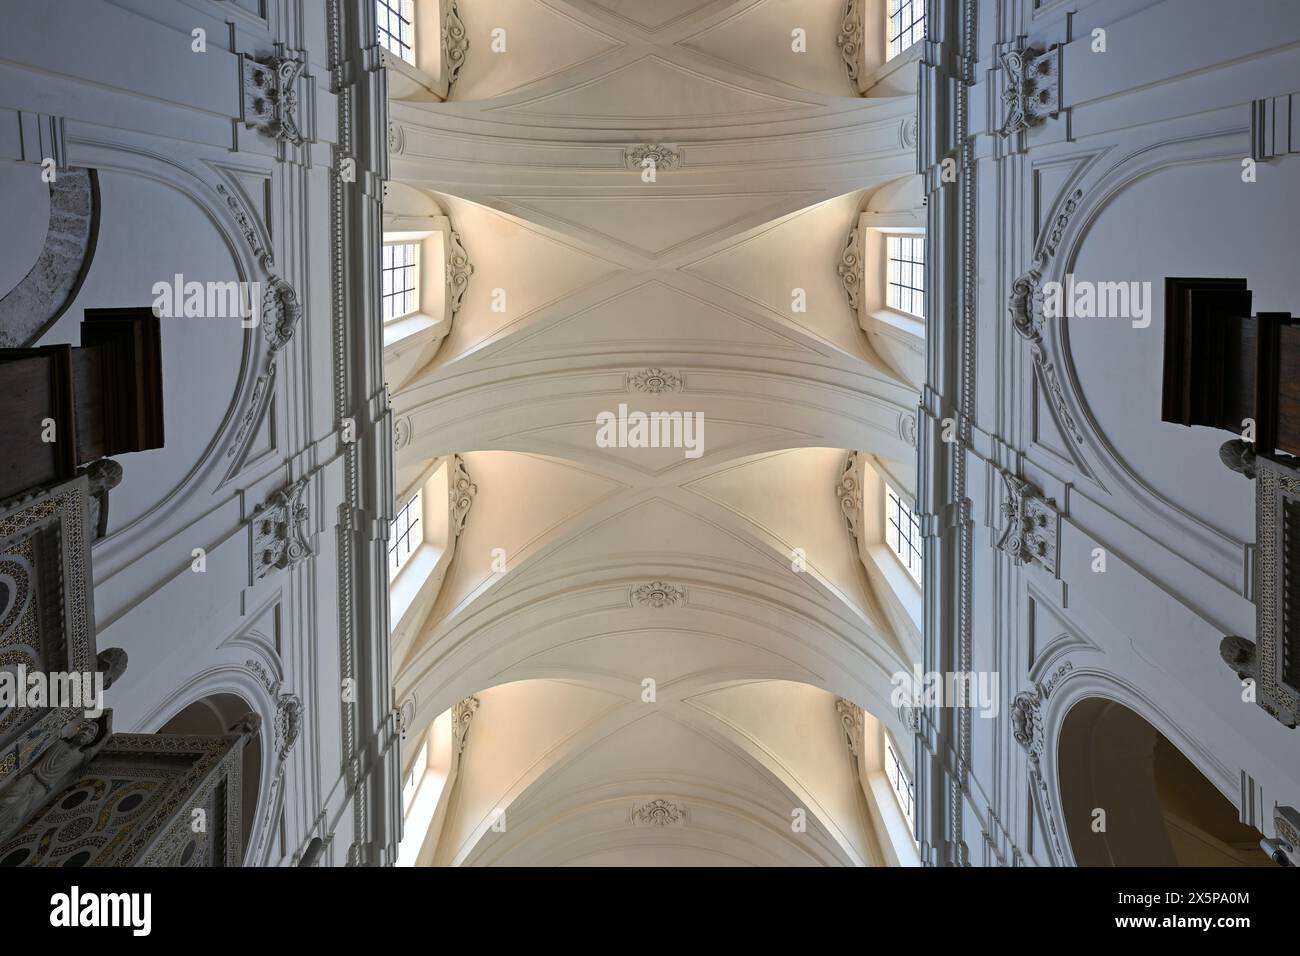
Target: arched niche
point(215, 715)
point(1160, 810)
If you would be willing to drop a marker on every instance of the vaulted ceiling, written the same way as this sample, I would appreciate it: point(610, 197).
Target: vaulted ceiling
point(715, 289)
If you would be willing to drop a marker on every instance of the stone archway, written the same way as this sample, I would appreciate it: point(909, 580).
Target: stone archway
point(1131, 798)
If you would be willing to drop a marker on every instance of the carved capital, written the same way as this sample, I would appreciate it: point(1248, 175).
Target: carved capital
point(270, 96)
point(1031, 87)
point(279, 530)
point(1031, 524)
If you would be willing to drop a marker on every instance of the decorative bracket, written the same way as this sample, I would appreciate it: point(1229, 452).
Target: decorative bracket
point(461, 715)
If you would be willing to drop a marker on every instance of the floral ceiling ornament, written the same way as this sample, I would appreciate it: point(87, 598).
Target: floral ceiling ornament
point(658, 813)
point(659, 594)
point(655, 381)
point(662, 155)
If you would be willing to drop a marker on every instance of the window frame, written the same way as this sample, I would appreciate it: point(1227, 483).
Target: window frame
point(895, 11)
point(909, 267)
point(400, 536)
point(386, 11)
point(406, 270)
point(900, 782)
point(898, 511)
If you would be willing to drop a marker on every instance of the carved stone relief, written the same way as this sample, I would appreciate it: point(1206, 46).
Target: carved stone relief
point(1032, 524)
point(1025, 308)
point(658, 813)
point(662, 156)
point(279, 530)
point(460, 496)
point(849, 39)
point(461, 715)
point(1031, 87)
point(270, 96)
point(1027, 728)
point(455, 43)
point(849, 492)
point(850, 269)
point(459, 269)
point(655, 381)
point(659, 594)
point(854, 723)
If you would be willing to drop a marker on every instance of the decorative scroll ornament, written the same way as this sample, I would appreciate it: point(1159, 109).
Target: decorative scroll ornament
point(270, 96)
point(281, 313)
point(658, 813)
point(907, 428)
point(1031, 525)
point(455, 43)
point(405, 716)
point(849, 491)
point(279, 530)
point(655, 381)
point(288, 723)
point(849, 39)
point(850, 269)
point(403, 429)
point(659, 594)
point(1031, 87)
point(661, 155)
point(459, 269)
point(1025, 307)
point(1027, 728)
point(854, 724)
point(460, 495)
point(461, 715)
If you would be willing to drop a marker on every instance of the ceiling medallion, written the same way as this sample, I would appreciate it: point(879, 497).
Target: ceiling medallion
point(656, 381)
point(659, 594)
point(658, 813)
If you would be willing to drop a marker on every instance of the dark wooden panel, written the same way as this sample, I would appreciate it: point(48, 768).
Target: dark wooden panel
point(36, 384)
